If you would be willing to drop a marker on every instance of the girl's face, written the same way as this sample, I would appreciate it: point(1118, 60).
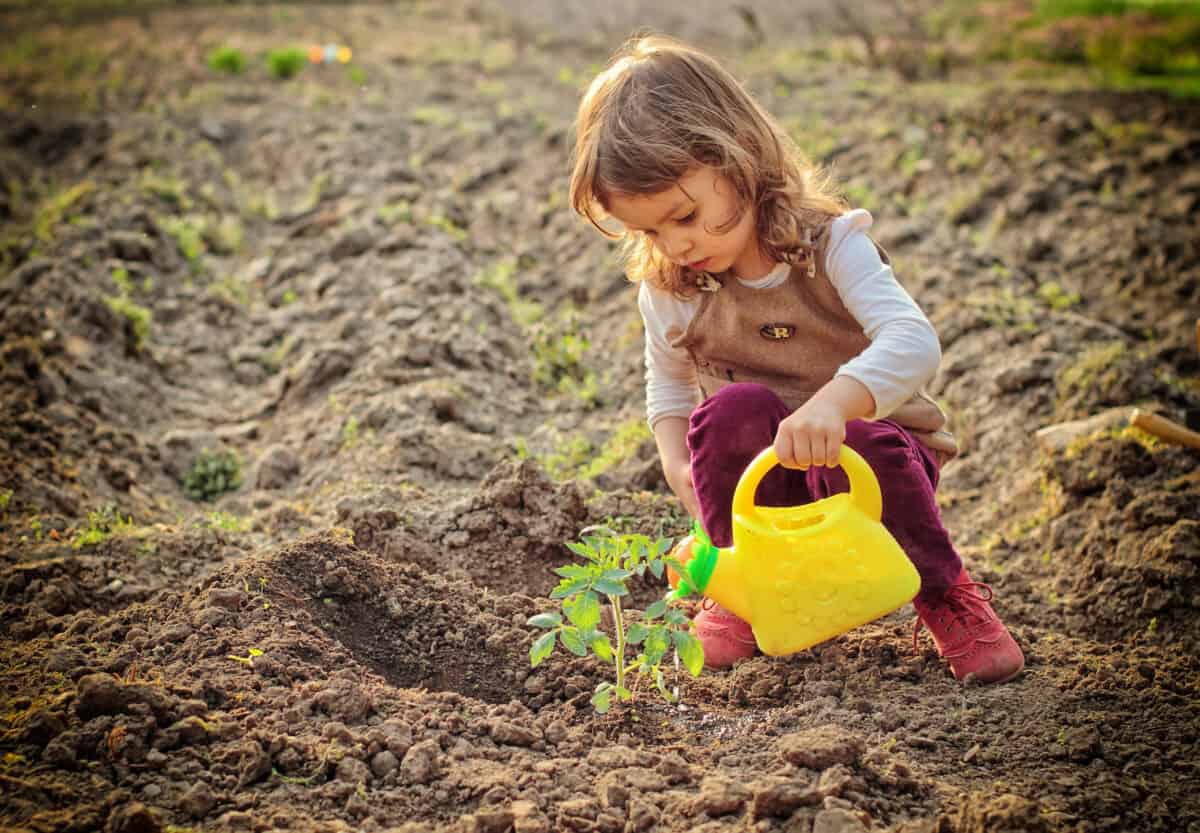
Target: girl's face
point(681, 221)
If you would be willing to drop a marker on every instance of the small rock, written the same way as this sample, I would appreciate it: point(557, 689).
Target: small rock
point(277, 467)
point(820, 747)
point(198, 801)
point(229, 598)
point(353, 771)
point(174, 634)
point(1023, 374)
point(420, 764)
point(504, 731)
point(384, 763)
point(191, 730)
point(489, 821)
point(133, 818)
point(1083, 743)
point(98, 694)
point(720, 796)
point(211, 616)
point(780, 797)
point(838, 821)
point(353, 243)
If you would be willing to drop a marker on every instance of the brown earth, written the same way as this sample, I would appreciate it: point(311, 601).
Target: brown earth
point(341, 273)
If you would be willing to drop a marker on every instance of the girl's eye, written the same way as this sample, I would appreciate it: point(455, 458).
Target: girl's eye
point(685, 220)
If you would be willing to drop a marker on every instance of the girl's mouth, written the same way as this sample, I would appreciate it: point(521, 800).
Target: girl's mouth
point(699, 265)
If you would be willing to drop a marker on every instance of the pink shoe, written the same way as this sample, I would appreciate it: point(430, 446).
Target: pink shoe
point(725, 637)
point(969, 634)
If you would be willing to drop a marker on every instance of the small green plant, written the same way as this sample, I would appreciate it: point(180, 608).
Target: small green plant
point(500, 277)
point(622, 445)
point(228, 522)
point(285, 63)
point(610, 560)
point(212, 474)
point(189, 236)
point(246, 660)
point(558, 351)
point(1056, 297)
point(5, 499)
point(350, 432)
point(139, 317)
point(103, 523)
point(227, 59)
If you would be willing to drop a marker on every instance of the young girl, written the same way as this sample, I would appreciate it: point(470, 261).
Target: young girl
point(771, 318)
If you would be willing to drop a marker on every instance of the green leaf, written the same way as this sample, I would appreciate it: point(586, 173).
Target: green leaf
point(656, 645)
point(542, 648)
point(584, 610)
point(655, 610)
point(609, 587)
point(637, 634)
point(661, 546)
point(690, 651)
point(616, 574)
point(657, 567)
point(568, 588)
point(677, 617)
point(602, 648)
point(573, 642)
point(582, 550)
point(602, 699)
point(624, 693)
point(544, 620)
point(572, 571)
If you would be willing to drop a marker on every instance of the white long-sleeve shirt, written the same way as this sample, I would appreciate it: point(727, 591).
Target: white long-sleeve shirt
point(902, 357)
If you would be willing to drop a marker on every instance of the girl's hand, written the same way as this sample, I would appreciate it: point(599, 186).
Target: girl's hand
point(812, 435)
point(679, 478)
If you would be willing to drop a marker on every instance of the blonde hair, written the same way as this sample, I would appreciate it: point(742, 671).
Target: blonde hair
point(662, 108)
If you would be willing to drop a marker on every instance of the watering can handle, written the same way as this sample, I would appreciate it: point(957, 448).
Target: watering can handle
point(864, 487)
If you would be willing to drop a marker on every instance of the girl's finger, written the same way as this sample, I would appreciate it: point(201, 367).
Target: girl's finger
point(818, 449)
point(833, 451)
point(803, 451)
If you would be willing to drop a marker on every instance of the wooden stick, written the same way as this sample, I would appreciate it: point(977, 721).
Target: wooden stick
point(1165, 429)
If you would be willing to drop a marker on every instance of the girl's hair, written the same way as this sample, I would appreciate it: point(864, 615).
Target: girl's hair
point(662, 108)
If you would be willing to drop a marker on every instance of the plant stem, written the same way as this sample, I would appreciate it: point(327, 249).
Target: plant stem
point(619, 626)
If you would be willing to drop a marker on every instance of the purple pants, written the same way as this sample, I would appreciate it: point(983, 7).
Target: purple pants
point(731, 427)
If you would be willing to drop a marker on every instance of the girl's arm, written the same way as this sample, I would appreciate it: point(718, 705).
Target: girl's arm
point(670, 435)
point(902, 357)
point(904, 352)
point(670, 389)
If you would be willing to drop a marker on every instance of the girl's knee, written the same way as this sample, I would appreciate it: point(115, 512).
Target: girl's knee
point(743, 415)
point(886, 446)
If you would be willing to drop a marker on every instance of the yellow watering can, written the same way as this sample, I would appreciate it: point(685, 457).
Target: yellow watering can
point(802, 574)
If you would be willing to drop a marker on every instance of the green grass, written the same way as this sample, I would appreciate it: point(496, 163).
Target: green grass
point(1168, 9)
point(286, 63)
point(227, 59)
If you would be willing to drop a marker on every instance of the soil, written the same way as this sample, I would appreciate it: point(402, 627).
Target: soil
point(341, 271)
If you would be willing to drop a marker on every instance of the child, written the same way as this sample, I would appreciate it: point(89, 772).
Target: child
point(761, 293)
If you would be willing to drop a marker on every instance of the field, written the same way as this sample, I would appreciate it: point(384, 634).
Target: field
point(308, 374)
